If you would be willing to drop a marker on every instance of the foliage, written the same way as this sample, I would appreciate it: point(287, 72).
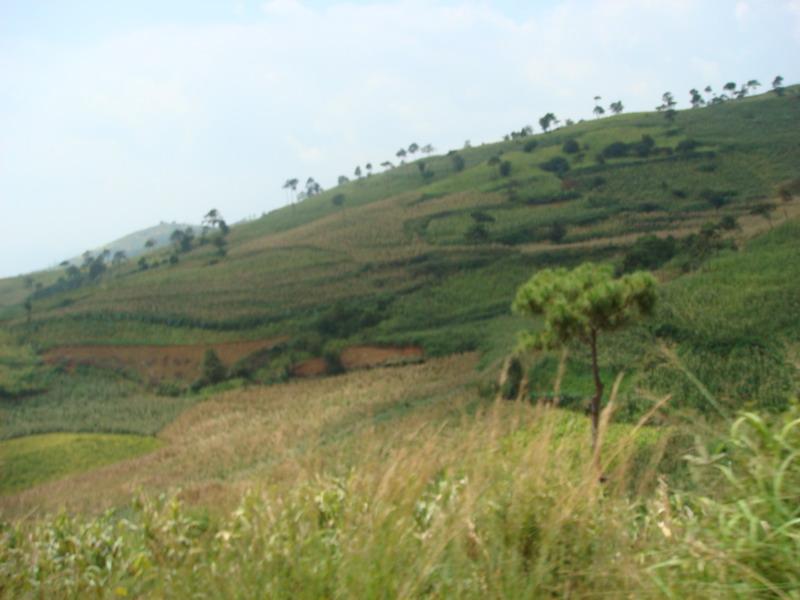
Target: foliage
point(558, 165)
point(649, 252)
point(579, 304)
point(214, 371)
point(570, 146)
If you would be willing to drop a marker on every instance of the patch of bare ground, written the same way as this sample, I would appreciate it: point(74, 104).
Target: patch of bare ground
point(155, 363)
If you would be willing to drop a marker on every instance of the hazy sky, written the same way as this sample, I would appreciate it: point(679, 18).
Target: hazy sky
point(117, 115)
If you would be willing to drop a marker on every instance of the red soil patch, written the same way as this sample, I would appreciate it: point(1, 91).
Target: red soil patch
point(155, 363)
point(313, 367)
point(361, 357)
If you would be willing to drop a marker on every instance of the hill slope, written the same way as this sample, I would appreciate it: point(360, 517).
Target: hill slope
point(430, 253)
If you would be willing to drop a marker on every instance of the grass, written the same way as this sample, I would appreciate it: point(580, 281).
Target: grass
point(502, 504)
point(32, 460)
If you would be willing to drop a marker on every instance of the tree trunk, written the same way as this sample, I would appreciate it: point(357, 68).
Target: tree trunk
point(598, 392)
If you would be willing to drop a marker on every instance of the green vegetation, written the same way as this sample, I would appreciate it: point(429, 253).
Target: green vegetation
point(89, 400)
point(578, 305)
point(506, 500)
point(504, 517)
point(35, 459)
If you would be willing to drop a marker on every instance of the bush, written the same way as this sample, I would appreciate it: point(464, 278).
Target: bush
point(717, 198)
point(685, 146)
point(477, 233)
point(343, 320)
point(214, 370)
point(616, 150)
point(458, 162)
point(649, 252)
point(505, 168)
point(333, 362)
point(558, 165)
point(570, 147)
point(530, 146)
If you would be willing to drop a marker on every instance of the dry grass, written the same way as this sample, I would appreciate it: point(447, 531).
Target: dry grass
point(271, 434)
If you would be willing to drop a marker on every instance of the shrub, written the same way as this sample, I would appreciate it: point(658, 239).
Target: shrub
point(717, 198)
point(333, 362)
point(571, 146)
point(616, 150)
point(214, 370)
point(477, 233)
point(505, 168)
point(530, 146)
point(649, 252)
point(458, 162)
point(558, 165)
point(688, 145)
point(644, 147)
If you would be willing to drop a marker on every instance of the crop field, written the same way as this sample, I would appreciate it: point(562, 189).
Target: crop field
point(284, 269)
point(273, 433)
point(32, 460)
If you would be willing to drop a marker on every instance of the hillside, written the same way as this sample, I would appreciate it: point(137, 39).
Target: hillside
point(358, 337)
point(134, 244)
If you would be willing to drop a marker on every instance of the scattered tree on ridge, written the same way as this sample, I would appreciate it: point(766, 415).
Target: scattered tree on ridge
point(291, 184)
point(777, 85)
point(343, 179)
point(579, 305)
point(401, 154)
point(413, 148)
point(730, 87)
point(598, 110)
point(616, 107)
point(546, 121)
point(119, 258)
point(357, 172)
point(696, 98)
point(668, 107)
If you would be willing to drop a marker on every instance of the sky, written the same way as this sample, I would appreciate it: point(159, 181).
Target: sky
point(115, 116)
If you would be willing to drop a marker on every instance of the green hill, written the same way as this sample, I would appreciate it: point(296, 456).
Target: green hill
point(133, 244)
point(417, 479)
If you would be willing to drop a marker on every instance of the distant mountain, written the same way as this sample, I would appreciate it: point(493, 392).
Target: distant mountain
point(133, 244)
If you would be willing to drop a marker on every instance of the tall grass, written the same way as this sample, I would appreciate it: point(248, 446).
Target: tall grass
point(506, 506)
